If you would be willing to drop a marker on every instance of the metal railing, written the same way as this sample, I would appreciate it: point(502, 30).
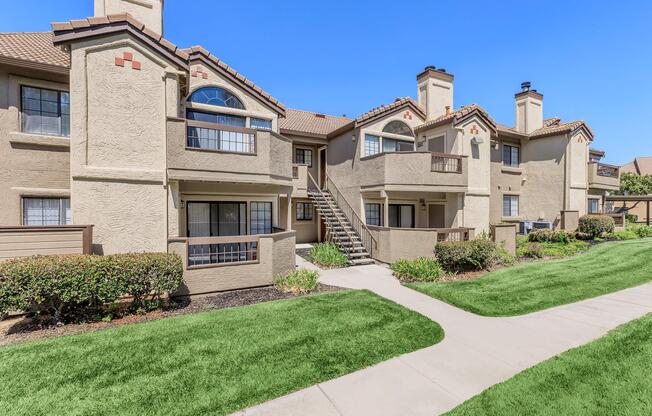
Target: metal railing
point(367, 239)
point(443, 162)
point(208, 251)
point(608, 171)
point(220, 137)
point(453, 234)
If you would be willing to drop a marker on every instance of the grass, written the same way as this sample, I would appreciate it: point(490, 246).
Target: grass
point(297, 281)
point(210, 363)
point(547, 249)
point(328, 255)
point(530, 287)
point(610, 376)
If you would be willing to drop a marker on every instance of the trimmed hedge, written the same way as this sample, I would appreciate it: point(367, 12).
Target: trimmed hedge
point(550, 236)
point(422, 269)
point(596, 225)
point(455, 256)
point(72, 284)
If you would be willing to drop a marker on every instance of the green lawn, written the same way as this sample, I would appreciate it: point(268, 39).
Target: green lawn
point(209, 363)
point(530, 287)
point(610, 376)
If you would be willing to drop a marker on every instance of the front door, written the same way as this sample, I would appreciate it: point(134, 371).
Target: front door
point(322, 167)
point(436, 216)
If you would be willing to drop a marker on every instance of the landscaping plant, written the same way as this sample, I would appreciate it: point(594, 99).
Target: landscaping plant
point(298, 281)
point(457, 256)
point(74, 284)
point(328, 255)
point(596, 225)
point(550, 236)
point(420, 270)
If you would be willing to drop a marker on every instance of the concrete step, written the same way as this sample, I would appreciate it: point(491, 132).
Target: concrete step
point(361, 262)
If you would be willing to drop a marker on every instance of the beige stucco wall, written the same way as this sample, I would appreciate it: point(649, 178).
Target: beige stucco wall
point(118, 145)
point(277, 257)
point(32, 241)
point(30, 165)
point(307, 231)
point(397, 243)
point(578, 150)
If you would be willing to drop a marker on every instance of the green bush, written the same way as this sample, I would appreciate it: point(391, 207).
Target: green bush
point(457, 256)
point(641, 230)
point(551, 250)
point(328, 255)
point(420, 270)
point(550, 236)
point(623, 235)
point(298, 281)
point(531, 250)
point(72, 284)
point(596, 225)
point(631, 218)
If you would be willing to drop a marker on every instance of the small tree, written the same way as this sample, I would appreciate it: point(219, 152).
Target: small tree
point(633, 184)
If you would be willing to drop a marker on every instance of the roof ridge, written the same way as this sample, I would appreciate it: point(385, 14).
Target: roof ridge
point(318, 112)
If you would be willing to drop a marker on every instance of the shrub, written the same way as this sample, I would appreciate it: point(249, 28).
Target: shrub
point(552, 250)
point(328, 255)
point(475, 254)
point(420, 270)
point(596, 225)
point(550, 236)
point(72, 284)
point(623, 235)
point(631, 218)
point(298, 281)
point(531, 250)
point(641, 230)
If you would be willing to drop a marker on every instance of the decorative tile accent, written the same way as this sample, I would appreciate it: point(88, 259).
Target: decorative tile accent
point(199, 73)
point(407, 115)
point(128, 57)
point(474, 129)
point(135, 65)
point(119, 62)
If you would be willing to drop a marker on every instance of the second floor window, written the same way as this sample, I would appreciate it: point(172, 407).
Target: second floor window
point(45, 111)
point(260, 123)
point(217, 118)
point(303, 157)
point(511, 156)
point(371, 145)
point(510, 205)
point(392, 145)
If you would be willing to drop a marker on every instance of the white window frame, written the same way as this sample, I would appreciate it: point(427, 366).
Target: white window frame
point(64, 210)
point(512, 198)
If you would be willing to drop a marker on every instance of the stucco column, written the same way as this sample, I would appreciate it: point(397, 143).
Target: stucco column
point(289, 212)
point(383, 194)
point(174, 205)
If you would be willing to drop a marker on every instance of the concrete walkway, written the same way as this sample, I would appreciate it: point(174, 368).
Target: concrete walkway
point(476, 353)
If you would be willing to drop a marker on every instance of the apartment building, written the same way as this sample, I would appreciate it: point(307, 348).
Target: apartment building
point(105, 122)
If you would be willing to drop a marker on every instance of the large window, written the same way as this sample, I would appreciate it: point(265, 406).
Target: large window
point(374, 214)
point(45, 111)
point(260, 123)
point(225, 119)
point(371, 145)
point(304, 211)
point(216, 96)
point(510, 205)
point(594, 206)
point(392, 145)
point(46, 211)
point(220, 138)
point(303, 157)
point(401, 216)
point(511, 156)
point(398, 127)
point(261, 217)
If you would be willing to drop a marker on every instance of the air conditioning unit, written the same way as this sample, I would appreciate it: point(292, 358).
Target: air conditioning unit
point(526, 226)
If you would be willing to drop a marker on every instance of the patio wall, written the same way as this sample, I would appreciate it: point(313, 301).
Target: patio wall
point(25, 241)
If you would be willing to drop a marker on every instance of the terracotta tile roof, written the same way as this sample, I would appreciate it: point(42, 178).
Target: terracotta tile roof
point(238, 78)
point(457, 116)
point(300, 121)
point(34, 47)
point(556, 126)
point(639, 166)
point(384, 109)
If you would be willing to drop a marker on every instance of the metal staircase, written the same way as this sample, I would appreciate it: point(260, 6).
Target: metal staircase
point(339, 228)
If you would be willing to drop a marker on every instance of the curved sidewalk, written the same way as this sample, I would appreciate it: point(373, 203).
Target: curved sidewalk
point(476, 353)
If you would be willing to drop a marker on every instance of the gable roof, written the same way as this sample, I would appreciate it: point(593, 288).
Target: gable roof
point(552, 127)
point(639, 166)
point(310, 123)
point(458, 116)
point(199, 53)
point(33, 49)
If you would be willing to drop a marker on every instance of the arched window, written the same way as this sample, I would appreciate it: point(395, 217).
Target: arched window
point(216, 96)
point(398, 127)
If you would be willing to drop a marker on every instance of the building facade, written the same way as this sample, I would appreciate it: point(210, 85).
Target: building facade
point(105, 122)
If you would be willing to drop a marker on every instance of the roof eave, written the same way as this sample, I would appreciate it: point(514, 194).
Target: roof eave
point(40, 66)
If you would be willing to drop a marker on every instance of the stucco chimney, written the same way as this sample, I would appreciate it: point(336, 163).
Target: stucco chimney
point(529, 109)
point(435, 91)
point(149, 12)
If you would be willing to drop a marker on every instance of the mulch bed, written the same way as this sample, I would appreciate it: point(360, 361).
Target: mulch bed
point(22, 329)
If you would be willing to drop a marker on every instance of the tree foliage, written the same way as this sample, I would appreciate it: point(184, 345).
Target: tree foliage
point(633, 184)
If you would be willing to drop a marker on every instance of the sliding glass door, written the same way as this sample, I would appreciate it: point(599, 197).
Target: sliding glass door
point(401, 216)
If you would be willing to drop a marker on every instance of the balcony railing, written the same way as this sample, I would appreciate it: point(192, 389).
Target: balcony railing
point(442, 162)
point(211, 251)
point(453, 234)
point(608, 171)
point(220, 137)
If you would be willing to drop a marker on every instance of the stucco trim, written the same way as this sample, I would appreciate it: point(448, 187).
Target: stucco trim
point(41, 192)
point(39, 140)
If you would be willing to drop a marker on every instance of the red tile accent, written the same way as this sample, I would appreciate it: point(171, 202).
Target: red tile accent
point(128, 56)
point(119, 62)
point(204, 75)
point(194, 74)
point(135, 65)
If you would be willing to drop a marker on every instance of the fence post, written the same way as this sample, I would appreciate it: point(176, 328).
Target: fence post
point(505, 236)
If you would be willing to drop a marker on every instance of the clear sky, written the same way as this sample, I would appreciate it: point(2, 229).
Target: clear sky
point(591, 59)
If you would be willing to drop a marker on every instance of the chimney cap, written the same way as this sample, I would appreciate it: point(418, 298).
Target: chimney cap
point(430, 67)
point(525, 86)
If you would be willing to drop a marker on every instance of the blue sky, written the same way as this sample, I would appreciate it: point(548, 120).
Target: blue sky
point(591, 59)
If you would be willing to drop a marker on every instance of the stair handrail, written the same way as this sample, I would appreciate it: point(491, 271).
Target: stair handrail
point(359, 226)
point(316, 186)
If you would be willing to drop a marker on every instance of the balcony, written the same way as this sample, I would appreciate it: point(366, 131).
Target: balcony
point(418, 171)
point(604, 177)
point(219, 153)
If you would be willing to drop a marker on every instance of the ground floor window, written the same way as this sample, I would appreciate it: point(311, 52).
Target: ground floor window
point(594, 206)
point(401, 216)
point(261, 217)
point(304, 211)
point(46, 211)
point(510, 205)
point(374, 214)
